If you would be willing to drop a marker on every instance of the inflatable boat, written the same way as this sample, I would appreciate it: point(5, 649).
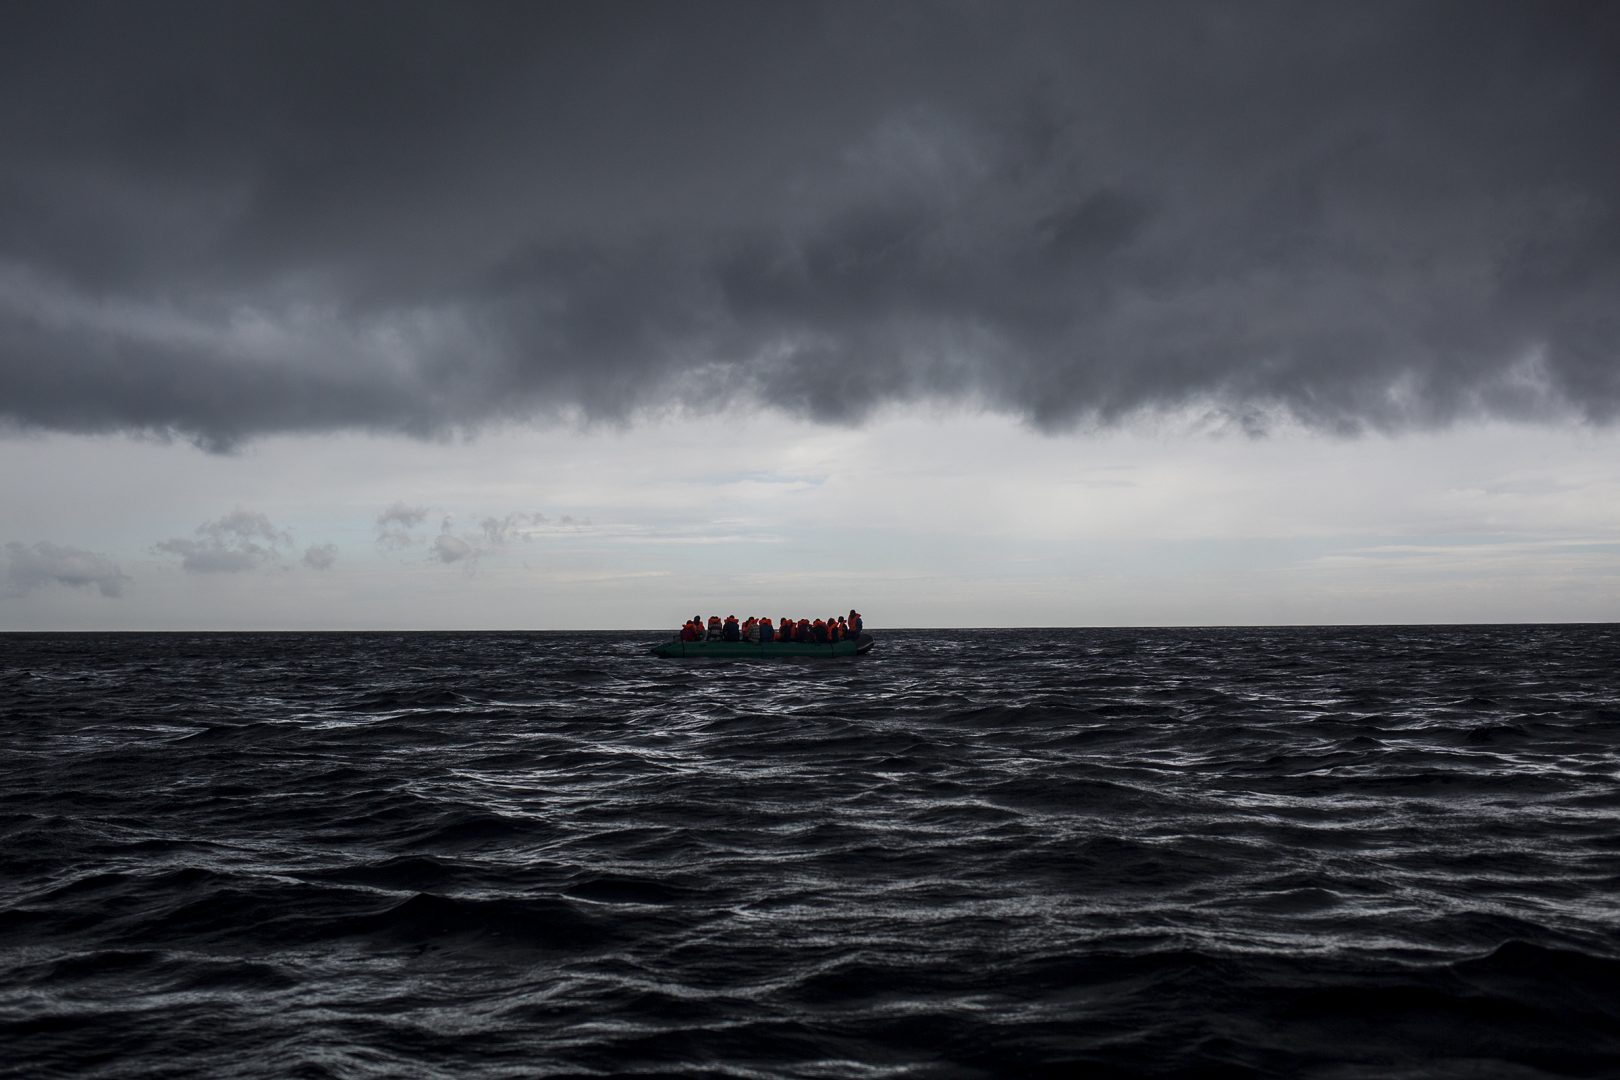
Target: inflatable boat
point(766, 651)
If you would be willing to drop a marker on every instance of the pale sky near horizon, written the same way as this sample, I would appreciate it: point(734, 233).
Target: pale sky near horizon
point(408, 316)
point(959, 519)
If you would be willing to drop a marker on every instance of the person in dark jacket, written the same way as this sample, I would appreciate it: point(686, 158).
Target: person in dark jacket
point(767, 632)
point(732, 631)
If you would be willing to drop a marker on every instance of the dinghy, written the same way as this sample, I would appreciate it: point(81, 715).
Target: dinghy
point(765, 651)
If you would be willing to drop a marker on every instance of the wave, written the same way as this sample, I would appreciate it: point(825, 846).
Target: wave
point(1331, 852)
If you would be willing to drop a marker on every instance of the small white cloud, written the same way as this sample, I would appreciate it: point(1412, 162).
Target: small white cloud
point(32, 566)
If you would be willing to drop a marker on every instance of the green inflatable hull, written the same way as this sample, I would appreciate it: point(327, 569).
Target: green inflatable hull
point(757, 651)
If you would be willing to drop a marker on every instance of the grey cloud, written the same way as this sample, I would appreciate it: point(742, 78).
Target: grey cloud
point(242, 540)
point(394, 524)
point(449, 548)
point(1380, 214)
point(320, 556)
point(32, 566)
point(494, 533)
point(397, 524)
point(209, 557)
point(402, 516)
point(514, 526)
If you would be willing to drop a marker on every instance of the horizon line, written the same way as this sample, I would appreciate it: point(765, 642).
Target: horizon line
point(892, 629)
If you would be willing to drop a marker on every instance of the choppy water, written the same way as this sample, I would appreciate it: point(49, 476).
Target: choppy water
point(1343, 852)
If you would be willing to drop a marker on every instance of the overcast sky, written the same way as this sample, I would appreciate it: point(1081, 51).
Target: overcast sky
point(600, 315)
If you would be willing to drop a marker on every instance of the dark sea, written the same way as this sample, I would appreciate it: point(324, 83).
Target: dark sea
point(1332, 852)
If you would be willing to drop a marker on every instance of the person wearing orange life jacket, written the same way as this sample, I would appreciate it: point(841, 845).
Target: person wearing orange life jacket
point(843, 629)
point(765, 632)
point(835, 633)
point(854, 622)
point(802, 633)
point(784, 629)
point(751, 629)
point(714, 632)
point(691, 632)
point(731, 631)
point(818, 632)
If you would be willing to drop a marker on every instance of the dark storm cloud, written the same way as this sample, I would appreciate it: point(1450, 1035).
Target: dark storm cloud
point(33, 566)
point(228, 220)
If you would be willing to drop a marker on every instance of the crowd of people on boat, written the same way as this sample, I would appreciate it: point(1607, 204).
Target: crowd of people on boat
point(760, 630)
